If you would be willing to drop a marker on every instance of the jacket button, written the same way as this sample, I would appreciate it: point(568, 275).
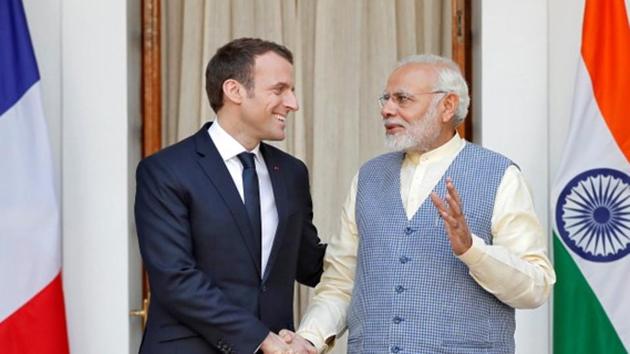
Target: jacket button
point(397, 319)
point(396, 349)
point(404, 259)
point(399, 289)
point(408, 230)
point(263, 288)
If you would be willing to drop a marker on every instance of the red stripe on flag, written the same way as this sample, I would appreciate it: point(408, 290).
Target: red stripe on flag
point(606, 53)
point(39, 326)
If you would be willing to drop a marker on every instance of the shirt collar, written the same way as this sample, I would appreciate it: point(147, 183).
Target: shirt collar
point(227, 146)
point(448, 149)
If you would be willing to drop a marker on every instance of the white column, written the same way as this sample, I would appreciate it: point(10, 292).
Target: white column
point(99, 150)
point(511, 112)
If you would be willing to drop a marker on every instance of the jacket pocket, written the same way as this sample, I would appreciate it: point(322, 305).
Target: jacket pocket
point(472, 344)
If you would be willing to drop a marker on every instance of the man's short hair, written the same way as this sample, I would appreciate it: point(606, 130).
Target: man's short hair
point(236, 60)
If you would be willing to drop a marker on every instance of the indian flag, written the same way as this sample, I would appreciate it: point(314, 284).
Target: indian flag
point(591, 194)
point(32, 318)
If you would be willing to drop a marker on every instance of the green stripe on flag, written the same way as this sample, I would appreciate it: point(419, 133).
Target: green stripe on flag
point(580, 324)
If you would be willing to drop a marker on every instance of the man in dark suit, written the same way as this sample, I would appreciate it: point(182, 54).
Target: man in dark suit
point(225, 221)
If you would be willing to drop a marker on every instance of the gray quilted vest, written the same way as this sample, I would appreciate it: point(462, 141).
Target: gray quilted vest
point(411, 294)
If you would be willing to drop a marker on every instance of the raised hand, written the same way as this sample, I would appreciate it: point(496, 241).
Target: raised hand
point(454, 219)
point(298, 344)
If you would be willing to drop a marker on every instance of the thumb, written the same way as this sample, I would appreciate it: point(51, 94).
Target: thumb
point(287, 335)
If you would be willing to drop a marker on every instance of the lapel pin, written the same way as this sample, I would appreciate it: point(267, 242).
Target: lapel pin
point(276, 168)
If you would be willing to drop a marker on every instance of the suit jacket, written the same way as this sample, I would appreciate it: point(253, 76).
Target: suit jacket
point(207, 295)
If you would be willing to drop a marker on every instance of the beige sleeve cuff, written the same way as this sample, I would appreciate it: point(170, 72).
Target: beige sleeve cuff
point(321, 344)
point(475, 254)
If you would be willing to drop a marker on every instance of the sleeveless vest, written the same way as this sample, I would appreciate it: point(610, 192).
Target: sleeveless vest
point(411, 293)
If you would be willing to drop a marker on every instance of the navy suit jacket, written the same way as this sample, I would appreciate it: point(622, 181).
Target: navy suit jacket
point(207, 295)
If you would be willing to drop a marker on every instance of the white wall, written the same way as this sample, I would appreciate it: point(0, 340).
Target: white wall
point(88, 56)
point(510, 71)
point(565, 35)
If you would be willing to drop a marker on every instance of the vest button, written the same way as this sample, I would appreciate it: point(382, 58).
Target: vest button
point(263, 288)
point(408, 230)
point(404, 259)
point(397, 319)
point(396, 349)
point(399, 289)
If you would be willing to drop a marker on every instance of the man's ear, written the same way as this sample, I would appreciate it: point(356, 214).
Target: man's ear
point(449, 105)
point(233, 91)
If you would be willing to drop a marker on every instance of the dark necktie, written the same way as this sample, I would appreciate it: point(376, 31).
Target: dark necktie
point(252, 197)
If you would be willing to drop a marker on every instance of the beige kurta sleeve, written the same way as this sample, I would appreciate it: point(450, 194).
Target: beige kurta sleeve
point(515, 268)
point(326, 314)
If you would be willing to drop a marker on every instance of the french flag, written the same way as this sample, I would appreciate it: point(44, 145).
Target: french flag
point(32, 315)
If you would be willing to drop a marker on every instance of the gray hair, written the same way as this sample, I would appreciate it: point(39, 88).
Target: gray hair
point(450, 79)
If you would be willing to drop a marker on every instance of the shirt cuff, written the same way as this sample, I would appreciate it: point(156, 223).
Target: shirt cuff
point(475, 254)
point(318, 342)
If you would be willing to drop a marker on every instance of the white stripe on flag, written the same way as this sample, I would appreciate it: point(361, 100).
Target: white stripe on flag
point(30, 255)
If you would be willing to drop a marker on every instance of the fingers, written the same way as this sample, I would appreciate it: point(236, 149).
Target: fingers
point(443, 210)
point(453, 201)
point(450, 187)
point(276, 345)
point(287, 335)
point(453, 217)
point(298, 344)
point(439, 204)
point(452, 198)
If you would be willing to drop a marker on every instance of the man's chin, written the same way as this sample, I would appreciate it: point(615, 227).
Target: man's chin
point(399, 142)
point(276, 136)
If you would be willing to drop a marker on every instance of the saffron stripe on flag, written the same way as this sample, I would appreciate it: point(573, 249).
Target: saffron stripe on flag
point(606, 51)
point(18, 68)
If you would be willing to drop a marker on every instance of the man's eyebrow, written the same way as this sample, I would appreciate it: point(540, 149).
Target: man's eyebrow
point(397, 93)
point(280, 85)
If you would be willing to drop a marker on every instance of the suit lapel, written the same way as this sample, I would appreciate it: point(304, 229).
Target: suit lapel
point(280, 196)
point(214, 167)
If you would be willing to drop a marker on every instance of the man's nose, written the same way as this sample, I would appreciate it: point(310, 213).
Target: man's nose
point(291, 102)
point(389, 109)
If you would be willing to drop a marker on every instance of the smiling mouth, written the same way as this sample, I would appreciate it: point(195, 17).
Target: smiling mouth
point(280, 117)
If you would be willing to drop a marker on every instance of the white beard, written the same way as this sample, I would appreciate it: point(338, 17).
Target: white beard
point(418, 136)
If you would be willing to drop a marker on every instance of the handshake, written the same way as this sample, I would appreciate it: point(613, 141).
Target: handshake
point(286, 342)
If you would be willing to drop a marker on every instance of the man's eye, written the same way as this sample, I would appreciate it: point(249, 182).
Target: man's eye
point(402, 99)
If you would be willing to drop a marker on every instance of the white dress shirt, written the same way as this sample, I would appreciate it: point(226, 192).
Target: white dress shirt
point(229, 148)
point(515, 268)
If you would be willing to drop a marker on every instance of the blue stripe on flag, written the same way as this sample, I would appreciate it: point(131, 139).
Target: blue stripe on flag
point(18, 68)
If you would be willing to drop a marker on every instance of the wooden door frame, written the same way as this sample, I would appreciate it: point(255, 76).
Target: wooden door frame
point(151, 78)
point(461, 42)
point(151, 105)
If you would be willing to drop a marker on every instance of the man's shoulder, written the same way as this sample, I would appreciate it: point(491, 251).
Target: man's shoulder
point(383, 159)
point(173, 155)
point(480, 152)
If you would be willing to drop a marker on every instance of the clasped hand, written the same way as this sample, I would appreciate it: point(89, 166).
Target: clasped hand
point(286, 342)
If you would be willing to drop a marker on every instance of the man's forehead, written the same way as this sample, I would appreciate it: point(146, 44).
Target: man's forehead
point(271, 58)
point(411, 77)
point(273, 69)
